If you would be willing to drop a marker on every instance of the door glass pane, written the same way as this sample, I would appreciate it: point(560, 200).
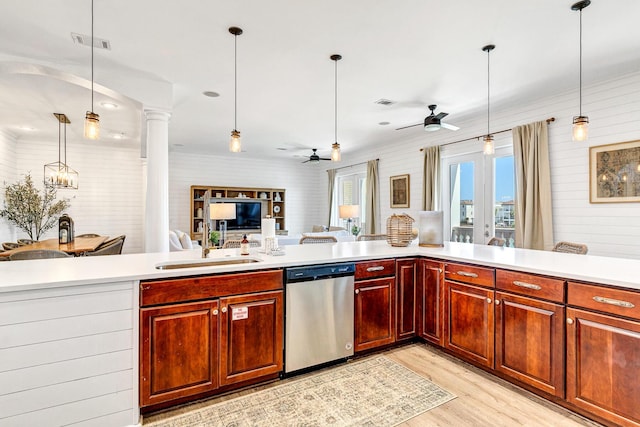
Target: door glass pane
point(504, 190)
point(461, 182)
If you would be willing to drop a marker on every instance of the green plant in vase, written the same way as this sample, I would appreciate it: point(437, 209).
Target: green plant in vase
point(214, 237)
point(355, 230)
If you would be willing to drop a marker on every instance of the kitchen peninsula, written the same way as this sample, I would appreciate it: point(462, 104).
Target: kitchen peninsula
point(70, 351)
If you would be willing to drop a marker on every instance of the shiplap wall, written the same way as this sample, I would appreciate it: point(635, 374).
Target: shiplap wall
point(7, 176)
point(68, 356)
point(613, 107)
point(305, 185)
point(109, 199)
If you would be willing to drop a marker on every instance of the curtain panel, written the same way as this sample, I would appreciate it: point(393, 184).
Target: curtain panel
point(431, 179)
point(372, 199)
point(332, 183)
point(534, 223)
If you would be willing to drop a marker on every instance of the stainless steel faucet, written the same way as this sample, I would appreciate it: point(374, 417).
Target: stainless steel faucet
point(205, 223)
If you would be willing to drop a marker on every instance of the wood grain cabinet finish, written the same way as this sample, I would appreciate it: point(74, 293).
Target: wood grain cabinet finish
point(431, 300)
point(374, 313)
point(530, 341)
point(178, 351)
point(251, 338)
point(406, 298)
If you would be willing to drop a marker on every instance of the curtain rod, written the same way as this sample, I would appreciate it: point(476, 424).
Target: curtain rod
point(355, 164)
point(549, 120)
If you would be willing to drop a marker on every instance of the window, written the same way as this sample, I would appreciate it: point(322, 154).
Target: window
point(350, 189)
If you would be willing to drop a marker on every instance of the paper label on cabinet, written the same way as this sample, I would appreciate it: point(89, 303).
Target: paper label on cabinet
point(239, 313)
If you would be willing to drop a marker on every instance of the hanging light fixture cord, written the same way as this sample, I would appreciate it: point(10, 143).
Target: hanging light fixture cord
point(92, 56)
point(488, 89)
point(59, 133)
point(335, 109)
point(235, 82)
point(580, 62)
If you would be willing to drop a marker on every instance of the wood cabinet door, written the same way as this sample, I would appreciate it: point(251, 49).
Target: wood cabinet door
point(469, 321)
point(178, 351)
point(530, 341)
point(374, 313)
point(406, 298)
point(251, 336)
point(431, 300)
point(603, 365)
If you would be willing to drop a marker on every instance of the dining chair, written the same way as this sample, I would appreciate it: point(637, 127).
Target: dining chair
point(110, 241)
point(88, 235)
point(38, 254)
point(368, 237)
point(570, 248)
point(7, 246)
point(496, 241)
point(236, 244)
point(113, 248)
point(305, 240)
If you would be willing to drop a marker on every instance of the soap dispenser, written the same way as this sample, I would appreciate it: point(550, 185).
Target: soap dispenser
point(244, 245)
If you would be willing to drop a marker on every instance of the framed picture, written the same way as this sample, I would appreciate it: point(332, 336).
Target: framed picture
point(614, 173)
point(399, 191)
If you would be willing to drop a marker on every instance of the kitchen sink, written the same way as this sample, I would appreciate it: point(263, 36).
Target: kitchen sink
point(171, 265)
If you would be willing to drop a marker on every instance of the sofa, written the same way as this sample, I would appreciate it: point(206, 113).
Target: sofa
point(293, 239)
point(181, 241)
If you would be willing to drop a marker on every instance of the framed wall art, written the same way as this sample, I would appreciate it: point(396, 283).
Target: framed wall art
point(614, 173)
point(399, 185)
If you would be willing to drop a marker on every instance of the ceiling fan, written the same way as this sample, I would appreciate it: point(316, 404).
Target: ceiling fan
point(314, 157)
point(433, 121)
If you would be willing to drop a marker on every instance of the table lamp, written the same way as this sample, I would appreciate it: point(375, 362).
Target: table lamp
point(222, 212)
point(349, 212)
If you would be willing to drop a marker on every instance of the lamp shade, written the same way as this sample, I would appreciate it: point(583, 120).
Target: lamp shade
point(349, 211)
point(222, 210)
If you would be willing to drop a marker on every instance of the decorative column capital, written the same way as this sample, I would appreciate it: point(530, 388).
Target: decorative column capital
point(159, 115)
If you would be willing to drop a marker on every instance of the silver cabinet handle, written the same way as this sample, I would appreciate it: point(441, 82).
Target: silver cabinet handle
point(378, 268)
point(357, 291)
point(616, 302)
point(223, 309)
point(527, 285)
point(215, 312)
point(569, 321)
point(466, 274)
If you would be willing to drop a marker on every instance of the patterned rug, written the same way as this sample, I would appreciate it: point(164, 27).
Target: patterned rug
point(373, 392)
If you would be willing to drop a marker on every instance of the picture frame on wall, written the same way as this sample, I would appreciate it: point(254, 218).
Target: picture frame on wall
point(399, 185)
point(614, 173)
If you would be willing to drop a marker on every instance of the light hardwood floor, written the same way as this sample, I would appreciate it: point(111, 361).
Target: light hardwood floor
point(482, 399)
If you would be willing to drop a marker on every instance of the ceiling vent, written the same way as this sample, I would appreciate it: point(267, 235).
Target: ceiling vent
point(85, 40)
point(383, 101)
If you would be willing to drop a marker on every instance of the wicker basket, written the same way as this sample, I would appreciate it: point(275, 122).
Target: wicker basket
point(400, 230)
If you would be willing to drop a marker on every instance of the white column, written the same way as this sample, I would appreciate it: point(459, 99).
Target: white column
point(156, 221)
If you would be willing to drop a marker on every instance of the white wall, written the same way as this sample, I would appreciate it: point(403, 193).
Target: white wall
point(613, 107)
point(7, 176)
point(305, 185)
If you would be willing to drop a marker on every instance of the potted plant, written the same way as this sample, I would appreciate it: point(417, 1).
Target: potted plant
point(214, 237)
point(32, 211)
point(355, 230)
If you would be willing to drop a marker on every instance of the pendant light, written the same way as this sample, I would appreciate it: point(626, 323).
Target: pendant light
point(91, 120)
point(59, 174)
point(235, 145)
point(335, 147)
point(488, 147)
point(580, 122)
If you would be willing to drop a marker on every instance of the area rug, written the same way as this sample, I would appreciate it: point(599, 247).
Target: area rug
point(372, 392)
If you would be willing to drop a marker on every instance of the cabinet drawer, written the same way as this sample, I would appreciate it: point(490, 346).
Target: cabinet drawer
point(530, 284)
point(378, 268)
point(469, 274)
point(614, 301)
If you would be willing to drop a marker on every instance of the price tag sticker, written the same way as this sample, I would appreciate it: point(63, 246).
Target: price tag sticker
point(239, 313)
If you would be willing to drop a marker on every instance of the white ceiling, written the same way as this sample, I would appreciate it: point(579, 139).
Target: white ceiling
point(414, 52)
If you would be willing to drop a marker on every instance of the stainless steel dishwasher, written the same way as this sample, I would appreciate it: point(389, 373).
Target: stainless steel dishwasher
point(318, 315)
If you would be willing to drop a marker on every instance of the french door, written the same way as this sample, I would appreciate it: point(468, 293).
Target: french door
point(479, 196)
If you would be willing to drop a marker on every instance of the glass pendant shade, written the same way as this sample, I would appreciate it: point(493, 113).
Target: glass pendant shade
point(92, 125)
point(580, 128)
point(335, 152)
point(235, 145)
point(488, 147)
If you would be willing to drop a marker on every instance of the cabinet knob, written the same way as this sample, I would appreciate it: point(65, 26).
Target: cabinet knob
point(223, 309)
point(569, 321)
point(357, 291)
point(497, 302)
point(215, 312)
point(488, 300)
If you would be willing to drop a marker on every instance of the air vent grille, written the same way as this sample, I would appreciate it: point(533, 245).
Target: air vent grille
point(85, 40)
point(383, 101)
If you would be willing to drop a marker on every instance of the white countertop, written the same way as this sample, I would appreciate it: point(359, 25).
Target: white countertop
point(35, 274)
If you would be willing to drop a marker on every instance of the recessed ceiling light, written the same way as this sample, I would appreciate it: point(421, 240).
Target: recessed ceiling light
point(384, 123)
point(211, 94)
point(109, 105)
point(27, 128)
point(120, 135)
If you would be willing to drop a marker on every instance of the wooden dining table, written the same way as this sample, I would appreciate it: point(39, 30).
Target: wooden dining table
point(78, 247)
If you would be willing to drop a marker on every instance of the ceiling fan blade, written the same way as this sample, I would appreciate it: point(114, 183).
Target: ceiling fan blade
point(410, 126)
point(449, 126)
point(323, 158)
point(306, 161)
point(441, 116)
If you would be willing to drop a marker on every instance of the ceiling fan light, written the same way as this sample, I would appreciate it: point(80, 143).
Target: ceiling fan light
point(91, 125)
point(235, 145)
point(488, 146)
point(580, 128)
point(431, 127)
point(335, 152)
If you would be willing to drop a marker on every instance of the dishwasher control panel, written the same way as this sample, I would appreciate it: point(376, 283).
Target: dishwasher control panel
point(315, 272)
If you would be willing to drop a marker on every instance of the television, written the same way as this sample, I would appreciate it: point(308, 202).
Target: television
point(248, 216)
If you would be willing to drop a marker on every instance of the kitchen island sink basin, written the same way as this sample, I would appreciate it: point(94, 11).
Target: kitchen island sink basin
point(172, 265)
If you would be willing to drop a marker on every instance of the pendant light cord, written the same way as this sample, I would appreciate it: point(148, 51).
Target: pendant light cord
point(335, 109)
point(59, 133)
point(235, 82)
point(91, 57)
point(580, 62)
point(488, 89)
